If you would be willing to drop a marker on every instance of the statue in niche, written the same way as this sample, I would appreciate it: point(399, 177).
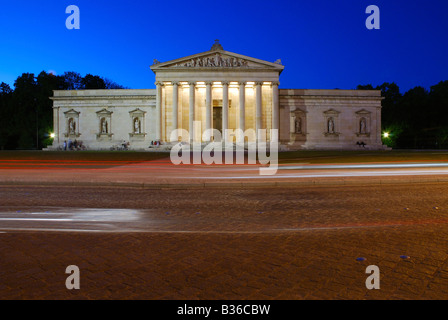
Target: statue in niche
point(72, 126)
point(298, 125)
point(363, 125)
point(137, 126)
point(104, 126)
point(330, 125)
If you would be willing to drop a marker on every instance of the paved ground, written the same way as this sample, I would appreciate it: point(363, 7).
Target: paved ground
point(149, 230)
point(161, 173)
point(254, 243)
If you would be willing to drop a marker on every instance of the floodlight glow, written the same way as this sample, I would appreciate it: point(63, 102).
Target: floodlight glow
point(386, 134)
point(52, 135)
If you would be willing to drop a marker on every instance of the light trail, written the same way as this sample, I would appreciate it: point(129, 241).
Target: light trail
point(39, 219)
point(333, 175)
point(330, 227)
point(366, 166)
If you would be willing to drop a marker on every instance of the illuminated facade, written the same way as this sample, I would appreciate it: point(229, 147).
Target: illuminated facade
point(223, 91)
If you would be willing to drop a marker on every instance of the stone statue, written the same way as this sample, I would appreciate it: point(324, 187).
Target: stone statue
point(137, 126)
point(216, 46)
point(71, 126)
point(298, 125)
point(362, 126)
point(330, 125)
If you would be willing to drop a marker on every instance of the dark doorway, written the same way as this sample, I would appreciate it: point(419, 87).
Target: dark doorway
point(217, 119)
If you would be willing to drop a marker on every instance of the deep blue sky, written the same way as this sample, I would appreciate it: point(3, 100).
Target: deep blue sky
point(323, 44)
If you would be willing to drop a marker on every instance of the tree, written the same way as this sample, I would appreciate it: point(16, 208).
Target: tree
point(46, 83)
point(112, 85)
point(437, 113)
point(24, 117)
point(5, 89)
point(26, 113)
point(391, 112)
point(413, 107)
point(365, 87)
point(93, 82)
point(5, 114)
point(72, 81)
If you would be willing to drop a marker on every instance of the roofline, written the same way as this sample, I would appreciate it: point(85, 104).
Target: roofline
point(277, 66)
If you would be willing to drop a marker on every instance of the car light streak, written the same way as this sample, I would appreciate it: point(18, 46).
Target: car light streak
point(366, 166)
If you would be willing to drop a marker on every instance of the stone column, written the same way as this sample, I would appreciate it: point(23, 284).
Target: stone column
point(158, 134)
point(175, 105)
point(225, 109)
point(56, 122)
point(191, 114)
point(258, 108)
point(208, 108)
point(242, 107)
point(275, 106)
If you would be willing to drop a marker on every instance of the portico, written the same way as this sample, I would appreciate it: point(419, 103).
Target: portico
point(215, 96)
point(221, 90)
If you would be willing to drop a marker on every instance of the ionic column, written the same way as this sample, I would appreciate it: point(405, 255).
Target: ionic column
point(258, 110)
point(275, 106)
point(208, 108)
point(175, 104)
point(225, 109)
point(56, 122)
point(242, 123)
point(158, 134)
point(191, 114)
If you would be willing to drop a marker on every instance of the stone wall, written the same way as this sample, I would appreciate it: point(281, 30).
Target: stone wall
point(104, 118)
point(330, 119)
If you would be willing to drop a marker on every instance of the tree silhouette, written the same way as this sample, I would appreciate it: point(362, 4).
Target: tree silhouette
point(416, 119)
point(93, 82)
point(26, 113)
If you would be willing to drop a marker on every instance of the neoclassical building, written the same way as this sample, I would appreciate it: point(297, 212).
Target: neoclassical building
point(218, 90)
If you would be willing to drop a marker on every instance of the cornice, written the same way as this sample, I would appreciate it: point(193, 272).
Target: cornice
point(125, 97)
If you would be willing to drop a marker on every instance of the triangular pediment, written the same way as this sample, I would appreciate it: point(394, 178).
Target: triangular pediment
point(298, 111)
point(137, 111)
point(363, 112)
point(104, 112)
point(217, 59)
point(71, 112)
point(331, 112)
